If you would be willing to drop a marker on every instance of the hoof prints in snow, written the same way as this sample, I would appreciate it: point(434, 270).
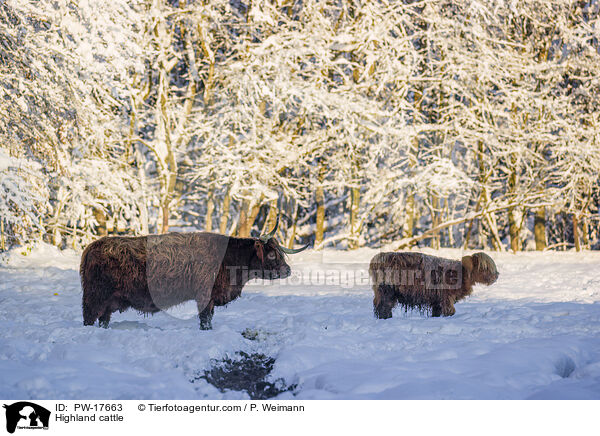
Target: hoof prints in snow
point(255, 335)
point(565, 366)
point(245, 374)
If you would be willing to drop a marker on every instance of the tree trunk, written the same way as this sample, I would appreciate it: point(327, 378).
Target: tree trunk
point(142, 205)
point(514, 227)
point(576, 233)
point(210, 56)
point(254, 210)
point(410, 207)
point(354, 224)
point(294, 214)
point(409, 224)
point(163, 134)
point(248, 214)
point(493, 226)
point(320, 199)
point(451, 228)
point(224, 214)
point(243, 217)
point(210, 208)
point(435, 221)
point(320, 230)
point(169, 136)
point(539, 229)
point(585, 234)
point(133, 148)
point(168, 167)
point(2, 243)
point(563, 228)
point(490, 218)
point(165, 211)
point(514, 230)
point(100, 217)
point(271, 217)
point(467, 237)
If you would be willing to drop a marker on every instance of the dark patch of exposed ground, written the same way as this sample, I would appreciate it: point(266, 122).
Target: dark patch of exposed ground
point(247, 373)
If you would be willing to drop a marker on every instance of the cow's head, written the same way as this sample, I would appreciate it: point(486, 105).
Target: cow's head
point(270, 256)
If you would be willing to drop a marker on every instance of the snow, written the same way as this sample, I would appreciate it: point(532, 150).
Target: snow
point(535, 333)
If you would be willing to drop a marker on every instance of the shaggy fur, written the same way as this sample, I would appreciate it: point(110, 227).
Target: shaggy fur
point(152, 273)
point(427, 283)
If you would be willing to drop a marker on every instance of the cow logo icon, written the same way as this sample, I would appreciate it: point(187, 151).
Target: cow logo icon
point(26, 415)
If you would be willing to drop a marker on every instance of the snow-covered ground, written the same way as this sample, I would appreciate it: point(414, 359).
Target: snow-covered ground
point(535, 333)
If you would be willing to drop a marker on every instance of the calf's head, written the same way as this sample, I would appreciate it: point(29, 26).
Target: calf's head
point(481, 268)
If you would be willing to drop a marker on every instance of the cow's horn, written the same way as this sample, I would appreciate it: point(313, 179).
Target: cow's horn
point(293, 250)
point(269, 235)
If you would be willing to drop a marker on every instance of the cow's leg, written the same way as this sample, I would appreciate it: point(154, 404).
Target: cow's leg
point(97, 294)
point(92, 304)
point(205, 314)
point(89, 316)
point(436, 309)
point(105, 318)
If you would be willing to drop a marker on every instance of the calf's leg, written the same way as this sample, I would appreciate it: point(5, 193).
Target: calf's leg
point(448, 309)
point(205, 314)
point(384, 301)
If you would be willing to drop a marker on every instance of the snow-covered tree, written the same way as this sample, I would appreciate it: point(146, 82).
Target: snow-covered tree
point(64, 78)
point(467, 124)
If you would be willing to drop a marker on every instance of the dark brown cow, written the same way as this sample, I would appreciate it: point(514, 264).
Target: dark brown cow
point(427, 283)
point(152, 273)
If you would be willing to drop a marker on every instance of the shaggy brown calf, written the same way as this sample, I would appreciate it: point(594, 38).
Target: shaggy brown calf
point(152, 273)
point(428, 283)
